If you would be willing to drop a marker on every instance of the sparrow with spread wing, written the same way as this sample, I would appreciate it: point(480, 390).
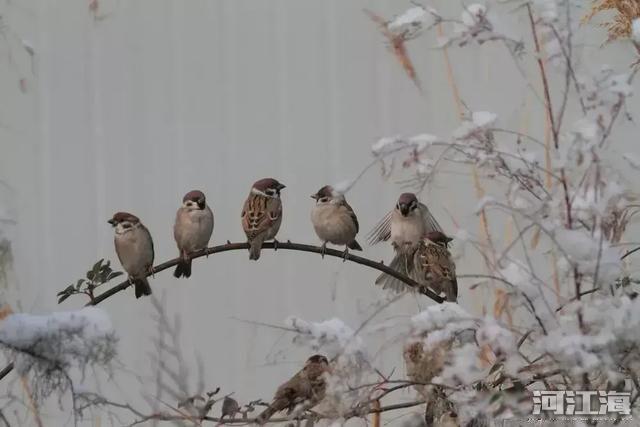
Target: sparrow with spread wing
point(262, 214)
point(334, 220)
point(405, 226)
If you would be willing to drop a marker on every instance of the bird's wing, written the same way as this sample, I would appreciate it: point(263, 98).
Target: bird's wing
point(352, 214)
point(148, 241)
point(382, 231)
point(258, 214)
point(439, 263)
point(430, 222)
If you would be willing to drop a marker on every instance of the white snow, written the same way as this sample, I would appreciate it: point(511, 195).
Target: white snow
point(333, 336)
point(585, 251)
point(547, 10)
point(386, 145)
point(60, 337)
point(343, 186)
point(424, 141)
point(473, 14)
point(479, 120)
point(483, 203)
point(415, 16)
point(483, 118)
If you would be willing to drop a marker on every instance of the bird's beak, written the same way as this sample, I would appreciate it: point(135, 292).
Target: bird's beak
point(404, 209)
point(281, 186)
point(314, 196)
point(112, 222)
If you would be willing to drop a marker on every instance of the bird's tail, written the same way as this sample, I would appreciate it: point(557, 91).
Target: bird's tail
point(452, 291)
point(403, 264)
point(355, 246)
point(255, 247)
point(183, 269)
point(141, 287)
point(265, 415)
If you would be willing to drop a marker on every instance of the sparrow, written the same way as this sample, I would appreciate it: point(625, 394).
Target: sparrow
point(405, 226)
point(434, 267)
point(423, 365)
point(134, 247)
point(192, 229)
point(333, 220)
point(306, 387)
point(262, 214)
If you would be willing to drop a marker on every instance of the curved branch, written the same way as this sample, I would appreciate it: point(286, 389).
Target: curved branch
point(288, 245)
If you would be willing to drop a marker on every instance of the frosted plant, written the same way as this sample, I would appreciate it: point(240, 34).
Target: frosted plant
point(49, 348)
point(565, 306)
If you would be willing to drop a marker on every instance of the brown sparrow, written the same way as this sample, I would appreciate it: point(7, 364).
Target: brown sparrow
point(333, 220)
point(192, 229)
point(306, 387)
point(434, 267)
point(134, 247)
point(262, 214)
point(405, 226)
point(423, 365)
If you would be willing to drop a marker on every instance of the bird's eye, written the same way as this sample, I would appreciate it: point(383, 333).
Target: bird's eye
point(270, 192)
point(126, 225)
point(324, 199)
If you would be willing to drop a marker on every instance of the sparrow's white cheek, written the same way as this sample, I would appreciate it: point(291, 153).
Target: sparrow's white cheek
point(120, 229)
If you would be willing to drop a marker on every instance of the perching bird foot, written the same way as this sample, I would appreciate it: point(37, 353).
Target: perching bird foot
point(345, 254)
point(275, 244)
point(323, 249)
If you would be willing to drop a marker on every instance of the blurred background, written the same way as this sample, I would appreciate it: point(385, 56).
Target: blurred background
point(109, 105)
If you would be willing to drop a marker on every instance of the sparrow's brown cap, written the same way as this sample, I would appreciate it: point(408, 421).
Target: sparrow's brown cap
point(119, 217)
point(407, 198)
point(438, 237)
point(326, 191)
point(195, 196)
point(318, 358)
point(267, 183)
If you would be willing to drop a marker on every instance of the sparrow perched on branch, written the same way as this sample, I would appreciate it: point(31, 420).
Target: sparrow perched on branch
point(192, 229)
point(307, 387)
point(262, 214)
point(333, 220)
point(434, 267)
point(405, 226)
point(134, 247)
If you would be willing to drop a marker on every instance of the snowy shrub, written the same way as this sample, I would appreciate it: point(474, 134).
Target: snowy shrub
point(49, 347)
